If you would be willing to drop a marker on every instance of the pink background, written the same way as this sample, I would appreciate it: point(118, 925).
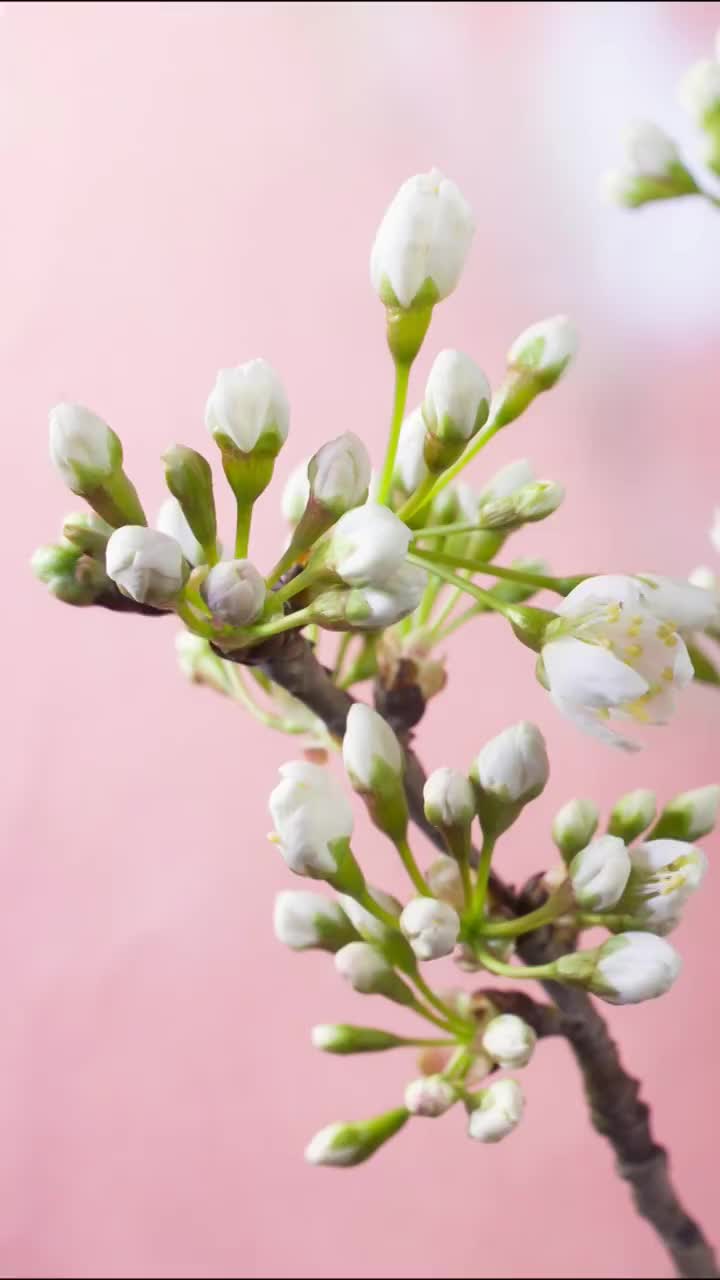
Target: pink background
point(187, 186)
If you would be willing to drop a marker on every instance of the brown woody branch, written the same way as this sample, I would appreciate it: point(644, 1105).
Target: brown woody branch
point(617, 1111)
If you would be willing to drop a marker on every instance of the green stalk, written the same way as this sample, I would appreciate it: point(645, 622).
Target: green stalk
point(402, 377)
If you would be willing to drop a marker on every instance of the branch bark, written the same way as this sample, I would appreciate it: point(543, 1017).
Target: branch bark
point(617, 1111)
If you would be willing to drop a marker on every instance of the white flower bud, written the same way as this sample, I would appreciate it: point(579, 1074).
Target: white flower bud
point(599, 873)
point(664, 875)
point(444, 880)
point(422, 242)
point(342, 1038)
point(505, 482)
point(514, 766)
point(449, 799)
point(339, 474)
point(305, 920)
point(375, 608)
point(310, 812)
point(632, 967)
point(545, 349)
point(431, 928)
point(171, 520)
point(82, 447)
point(247, 408)
point(509, 1041)
point(574, 826)
point(699, 90)
point(526, 505)
point(410, 466)
point(369, 747)
point(145, 565)
point(234, 592)
point(429, 1096)
point(632, 814)
point(296, 493)
point(369, 973)
point(368, 545)
point(342, 1145)
point(457, 397)
point(649, 152)
point(498, 1112)
point(691, 815)
point(363, 921)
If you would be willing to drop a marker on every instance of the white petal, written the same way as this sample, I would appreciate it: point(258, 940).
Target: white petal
point(589, 675)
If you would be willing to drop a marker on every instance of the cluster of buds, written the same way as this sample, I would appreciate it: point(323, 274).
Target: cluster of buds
point(653, 167)
point(390, 562)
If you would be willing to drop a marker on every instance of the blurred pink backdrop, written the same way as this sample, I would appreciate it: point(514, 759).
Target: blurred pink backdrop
point(187, 186)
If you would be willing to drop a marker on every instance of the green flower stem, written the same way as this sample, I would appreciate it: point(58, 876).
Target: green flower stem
point(491, 428)
point(561, 586)
point(426, 561)
point(477, 906)
point(605, 920)
point(557, 904)
point(442, 1023)
point(210, 553)
point(528, 622)
point(440, 632)
point(344, 645)
point(367, 901)
point(445, 613)
point(541, 972)
point(286, 561)
point(417, 499)
point(188, 615)
point(412, 867)
point(458, 1068)
point(242, 528)
point(430, 595)
point(402, 377)
point(299, 583)
point(458, 1025)
point(300, 618)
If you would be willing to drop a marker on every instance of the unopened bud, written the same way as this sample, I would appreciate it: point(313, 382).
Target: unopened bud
point(574, 826)
point(189, 479)
point(599, 873)
point(632, 814)
point(430, 1096)
point(343, 1145)
point(690, 816)
point(509, 1041)
point(496, 1111)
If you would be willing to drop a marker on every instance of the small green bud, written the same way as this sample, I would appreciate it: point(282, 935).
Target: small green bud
point(344, 1145)
point(632, 815)
point(690, 816)
point(574, 826)
point(88, 532)
point(69, 575)
point(189, 479)
point(343, 1038)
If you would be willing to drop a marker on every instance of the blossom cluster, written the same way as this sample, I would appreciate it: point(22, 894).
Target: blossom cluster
point(396, 561)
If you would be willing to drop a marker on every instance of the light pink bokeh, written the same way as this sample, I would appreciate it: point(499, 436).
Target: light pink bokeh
point(187, 186)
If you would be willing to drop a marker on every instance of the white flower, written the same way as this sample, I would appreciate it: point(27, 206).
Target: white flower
point(664, 875)
point(431, 927)
point(234, 592)
point(445, 882)
point(514, 766)
point(410, 466)
point(82, 446)
point(649, 152)
point(296, 493)
point(632, 967)
point(399, 596)
point(509, 1041)
point(248, 406)
point(368, 545)
point(369, 742)
point(422, 242)
point(310, 812)
point(429, 1096)
point(449, 799)
point(705, 578)
point(339, 473)
point(508, 480)
point(145, 565)
point(600, 872)
point(699, 90)
point(608, 653)
point(575, 825)
point(687, 605)
point(457, 397)
point(171, 520)
point(302, 920)
point(498, 1113)
point(545, 348)
point(363, 966)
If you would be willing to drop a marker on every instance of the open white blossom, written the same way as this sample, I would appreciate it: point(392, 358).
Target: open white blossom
point(422, 242)
point(664, 875)
point(609, 654)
